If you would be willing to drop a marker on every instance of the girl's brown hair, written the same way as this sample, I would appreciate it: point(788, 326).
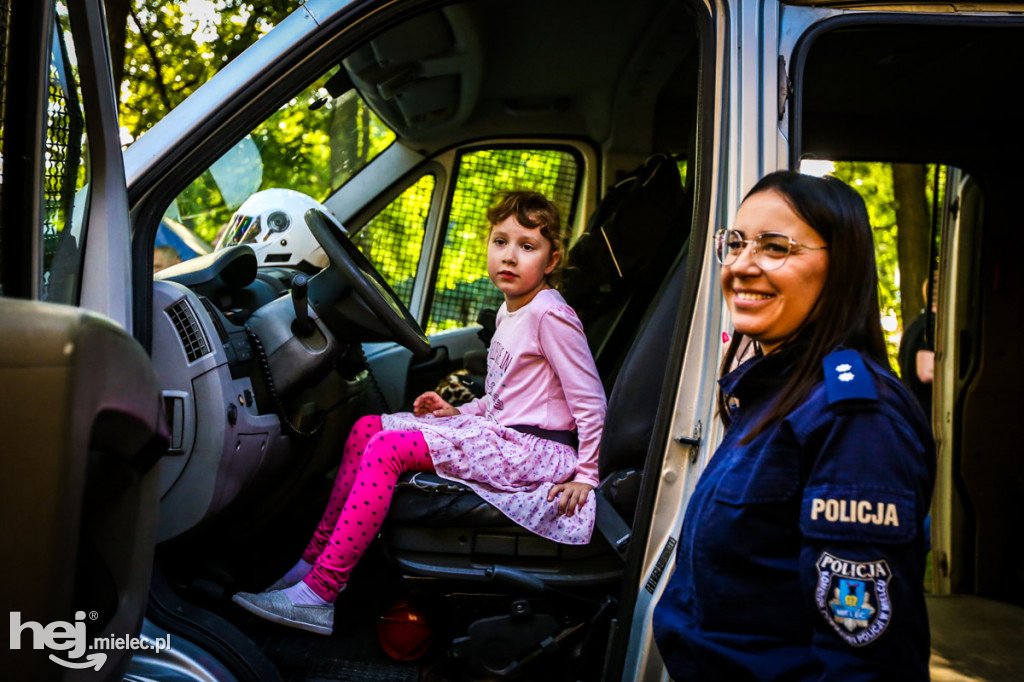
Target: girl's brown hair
point(532, 210)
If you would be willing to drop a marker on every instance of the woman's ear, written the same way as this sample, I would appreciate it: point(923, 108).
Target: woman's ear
point(552, 262)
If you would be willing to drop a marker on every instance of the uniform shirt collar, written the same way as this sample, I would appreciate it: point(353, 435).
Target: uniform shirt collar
point(762, 369)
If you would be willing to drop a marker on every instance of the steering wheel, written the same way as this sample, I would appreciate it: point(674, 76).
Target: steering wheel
point(360, 275)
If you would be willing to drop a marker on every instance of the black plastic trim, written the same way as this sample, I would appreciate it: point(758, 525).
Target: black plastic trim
point(811, 35)
point(28, 55)
point(229, 645)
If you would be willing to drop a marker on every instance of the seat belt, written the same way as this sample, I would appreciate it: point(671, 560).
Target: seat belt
point(611, 525)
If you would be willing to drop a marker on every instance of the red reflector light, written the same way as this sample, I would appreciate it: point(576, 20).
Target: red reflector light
point(403, 632)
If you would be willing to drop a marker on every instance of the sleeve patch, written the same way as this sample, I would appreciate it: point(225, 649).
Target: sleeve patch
point(853, 597)
point(857, 514)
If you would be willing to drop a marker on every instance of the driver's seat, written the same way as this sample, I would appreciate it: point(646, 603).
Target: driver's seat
point(441, 529)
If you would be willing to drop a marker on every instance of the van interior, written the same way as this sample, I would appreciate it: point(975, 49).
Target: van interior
point(606, 90)
point(938, 92)
point(607, 99)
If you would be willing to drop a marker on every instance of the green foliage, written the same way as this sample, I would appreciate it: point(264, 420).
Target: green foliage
point(313, 144)
point(393, 239)
point(873, 181)
point(171, 48)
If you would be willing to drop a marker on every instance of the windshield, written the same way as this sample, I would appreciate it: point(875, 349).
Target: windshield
point(313, 144)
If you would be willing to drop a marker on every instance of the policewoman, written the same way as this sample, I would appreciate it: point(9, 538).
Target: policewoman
point(802, 550)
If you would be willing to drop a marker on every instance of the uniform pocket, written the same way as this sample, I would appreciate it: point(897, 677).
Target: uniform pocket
point(768, 475)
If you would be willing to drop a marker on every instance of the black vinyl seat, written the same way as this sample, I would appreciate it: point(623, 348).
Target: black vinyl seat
point(441, 529)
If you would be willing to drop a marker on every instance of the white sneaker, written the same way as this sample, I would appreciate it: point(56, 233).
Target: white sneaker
point(278, 608)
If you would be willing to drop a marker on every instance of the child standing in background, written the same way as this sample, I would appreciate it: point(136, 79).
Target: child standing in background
point(528, 447)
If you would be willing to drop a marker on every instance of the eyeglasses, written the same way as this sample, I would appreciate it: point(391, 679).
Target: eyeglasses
point(771, 249)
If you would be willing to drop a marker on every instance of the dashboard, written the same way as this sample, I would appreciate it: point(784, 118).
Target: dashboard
point(226, 435)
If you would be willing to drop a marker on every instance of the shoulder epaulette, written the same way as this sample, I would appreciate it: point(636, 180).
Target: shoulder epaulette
point(847, 377)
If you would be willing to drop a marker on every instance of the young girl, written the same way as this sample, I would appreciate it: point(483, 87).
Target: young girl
point(516, 447)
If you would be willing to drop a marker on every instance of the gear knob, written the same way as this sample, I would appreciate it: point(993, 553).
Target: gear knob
point(302, 326)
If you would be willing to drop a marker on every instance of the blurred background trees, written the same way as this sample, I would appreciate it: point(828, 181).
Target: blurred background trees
point(899, 199)
point(163, 51)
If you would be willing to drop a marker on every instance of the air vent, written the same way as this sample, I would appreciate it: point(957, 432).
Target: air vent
point(193, 340)
point(215, 316)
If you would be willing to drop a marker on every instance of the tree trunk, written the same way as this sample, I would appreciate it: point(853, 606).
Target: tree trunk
point(913, 235)
point(117, 23)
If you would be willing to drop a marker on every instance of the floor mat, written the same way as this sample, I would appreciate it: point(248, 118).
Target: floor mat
point(351, 654)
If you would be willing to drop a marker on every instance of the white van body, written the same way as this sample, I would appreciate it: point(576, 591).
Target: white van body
point(726, 91)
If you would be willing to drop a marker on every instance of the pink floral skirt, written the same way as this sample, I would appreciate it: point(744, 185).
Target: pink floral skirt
point(512, 471)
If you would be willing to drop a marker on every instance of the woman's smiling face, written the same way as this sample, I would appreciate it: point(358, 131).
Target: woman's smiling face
point(770, 307)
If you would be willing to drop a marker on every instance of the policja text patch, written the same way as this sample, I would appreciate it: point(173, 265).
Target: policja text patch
point(853, 596)
point(854, 511)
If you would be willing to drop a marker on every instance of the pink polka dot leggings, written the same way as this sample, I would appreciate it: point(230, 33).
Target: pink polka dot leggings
point(372, 462)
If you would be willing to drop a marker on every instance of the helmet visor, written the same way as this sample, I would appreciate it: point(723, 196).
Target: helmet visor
point(243, 229)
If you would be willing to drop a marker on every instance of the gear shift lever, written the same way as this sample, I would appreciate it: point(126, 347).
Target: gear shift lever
point(302, 326)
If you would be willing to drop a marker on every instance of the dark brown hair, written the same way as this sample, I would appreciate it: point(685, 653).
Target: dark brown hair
point(846, 313)
point(532, 210)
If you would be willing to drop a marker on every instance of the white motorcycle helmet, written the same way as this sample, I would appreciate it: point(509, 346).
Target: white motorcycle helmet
point(273, 223)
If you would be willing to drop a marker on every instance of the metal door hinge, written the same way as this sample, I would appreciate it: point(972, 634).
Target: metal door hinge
point(785, 87)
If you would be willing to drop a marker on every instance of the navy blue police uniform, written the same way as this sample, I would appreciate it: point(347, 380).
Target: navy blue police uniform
point(802, 551)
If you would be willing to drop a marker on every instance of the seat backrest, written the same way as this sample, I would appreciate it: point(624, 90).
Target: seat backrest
point(629, 242)
point(636, 393)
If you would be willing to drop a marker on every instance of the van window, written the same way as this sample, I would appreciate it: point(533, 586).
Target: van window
point(462, 288)
point(66, 171)
point(393, 239)
point(313, 144)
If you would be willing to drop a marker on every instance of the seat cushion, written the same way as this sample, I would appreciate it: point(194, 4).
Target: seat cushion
point(426, 499)
point(442, 529)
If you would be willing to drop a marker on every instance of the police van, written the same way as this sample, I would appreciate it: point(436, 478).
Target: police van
point(171, 438)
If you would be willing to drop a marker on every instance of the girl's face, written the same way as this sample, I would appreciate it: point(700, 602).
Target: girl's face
point(519, 260)
point(771, 306)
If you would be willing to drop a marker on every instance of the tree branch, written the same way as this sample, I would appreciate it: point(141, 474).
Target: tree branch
point(117, 24)
point(161, 87)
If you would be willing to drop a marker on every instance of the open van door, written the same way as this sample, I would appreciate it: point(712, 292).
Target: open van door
point(926, 88)
point(80, 407)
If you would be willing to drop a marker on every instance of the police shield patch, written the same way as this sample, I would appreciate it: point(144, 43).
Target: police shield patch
point(853, 596)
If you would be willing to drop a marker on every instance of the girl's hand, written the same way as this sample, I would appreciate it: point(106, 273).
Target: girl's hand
point(572, 496)
point(433, 404)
